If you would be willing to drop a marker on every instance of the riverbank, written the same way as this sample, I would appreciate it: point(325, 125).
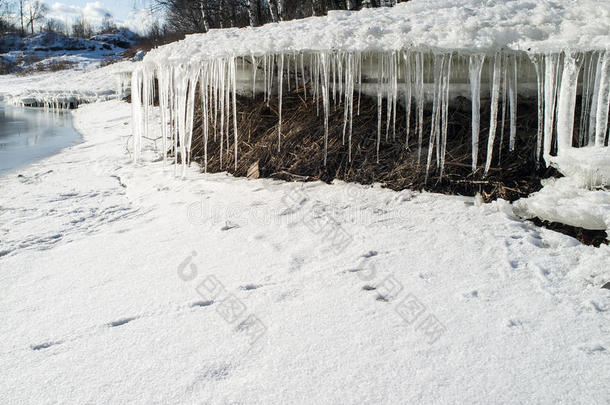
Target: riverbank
point(116, 278)
point(30, 134)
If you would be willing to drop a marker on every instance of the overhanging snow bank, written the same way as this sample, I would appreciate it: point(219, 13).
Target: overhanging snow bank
point(416, 52)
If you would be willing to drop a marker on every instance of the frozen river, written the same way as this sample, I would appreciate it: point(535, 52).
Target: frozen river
point(29, 134)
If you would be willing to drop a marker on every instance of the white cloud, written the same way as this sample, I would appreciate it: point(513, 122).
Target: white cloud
point(139, 21)
point(95, 12)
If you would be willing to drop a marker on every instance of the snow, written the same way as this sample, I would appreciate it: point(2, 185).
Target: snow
point(50, 47)
point(468, 25)
point(100, 302)
point(59, 89)
point(581, 198)
point(564, 200)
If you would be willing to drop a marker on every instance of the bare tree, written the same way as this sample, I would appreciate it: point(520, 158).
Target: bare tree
point(82, 28)
point(35, 12)
point(6, 23)
point(252, 12)
point(108, 26)
point(54, 25)
point(190, 16)
point(21, 4)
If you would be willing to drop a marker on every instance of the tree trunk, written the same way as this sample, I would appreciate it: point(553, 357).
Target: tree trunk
point(204, 18)
point(280, 10)
point(252, 14)
point(31, 20)
point(272, 11)
point(21, 15)
point(319, 7)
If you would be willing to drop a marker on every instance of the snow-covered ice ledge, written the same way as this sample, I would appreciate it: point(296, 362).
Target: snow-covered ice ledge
point(413, 53)
point(67, 88)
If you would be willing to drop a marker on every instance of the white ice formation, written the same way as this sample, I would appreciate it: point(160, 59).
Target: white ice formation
point(419, 53)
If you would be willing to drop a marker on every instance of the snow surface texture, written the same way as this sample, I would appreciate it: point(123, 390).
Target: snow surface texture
point(415, 53)
point(66, 88)
point(98, 289)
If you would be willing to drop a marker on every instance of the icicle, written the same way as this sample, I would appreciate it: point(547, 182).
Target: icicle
point(287, 72)
point(550, 91)
point(394, 78)
point(445, 109)
point(407, 60)
point(190, 112)
point(304, 81)
point(280, 75)
point(204, 102)
point(474, 73)
point(594, 99)
point(379, 99)
point(227, 105)
point(136, 111)
point(603, 100)
point(325, 99)
point(254, 69)
point(234, 88)
point(439, 63)
point(387, 77)
point(493, 121)
point(566, 101)
point(504, 93)
point(346, 97)
point(585, 99)
point(359, 61)
point(538, 61)
point(351, 105)
point(419, 99)
point(221, 95)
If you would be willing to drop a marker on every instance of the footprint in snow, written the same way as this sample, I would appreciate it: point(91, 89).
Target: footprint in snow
point(45, 345)
point(120, 322)
point(594, 348)
point(382, 298)
point(229, 225)
point(370, 254)
point(248, 287)
point(201, 304)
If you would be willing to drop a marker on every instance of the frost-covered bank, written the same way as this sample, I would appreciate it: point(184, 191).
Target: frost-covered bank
point(67, 88)
point(94, 295)
point(414, 53)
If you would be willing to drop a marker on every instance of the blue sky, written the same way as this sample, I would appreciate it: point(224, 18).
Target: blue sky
point(132, 13)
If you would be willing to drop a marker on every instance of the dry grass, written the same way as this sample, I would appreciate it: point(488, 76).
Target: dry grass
point(54, 66)
point(301, 155)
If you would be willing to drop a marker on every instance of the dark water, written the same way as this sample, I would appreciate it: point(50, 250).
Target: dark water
point(30, 134)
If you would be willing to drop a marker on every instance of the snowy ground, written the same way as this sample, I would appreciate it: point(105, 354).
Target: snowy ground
point(122, 283)
point(86, 85)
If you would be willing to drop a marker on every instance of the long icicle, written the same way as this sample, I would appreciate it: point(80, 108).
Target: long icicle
point(474, 73)
point(493, 120)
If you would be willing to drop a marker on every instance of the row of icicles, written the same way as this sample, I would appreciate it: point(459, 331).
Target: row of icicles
point(336, 77)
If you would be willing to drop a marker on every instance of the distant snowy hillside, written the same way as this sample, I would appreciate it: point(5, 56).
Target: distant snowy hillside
point(64, 89)
point(41, 49)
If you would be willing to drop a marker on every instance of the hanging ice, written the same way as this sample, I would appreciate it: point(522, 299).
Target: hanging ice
point(413, 69)
point(475, 67)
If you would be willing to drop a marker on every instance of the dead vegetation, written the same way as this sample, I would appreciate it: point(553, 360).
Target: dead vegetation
point(301, 155)
point(52, 66)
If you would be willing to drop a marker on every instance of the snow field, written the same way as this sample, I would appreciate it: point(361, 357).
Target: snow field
point(96, 309)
